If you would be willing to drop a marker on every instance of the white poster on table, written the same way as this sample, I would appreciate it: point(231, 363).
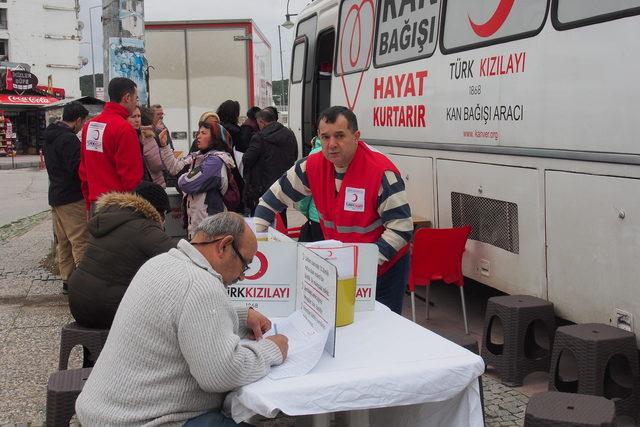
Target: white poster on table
point(317, 289)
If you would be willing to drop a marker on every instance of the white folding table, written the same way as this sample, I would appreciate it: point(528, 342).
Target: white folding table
point(402, 373)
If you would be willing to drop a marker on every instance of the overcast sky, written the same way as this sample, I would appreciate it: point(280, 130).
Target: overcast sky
point(267, 14)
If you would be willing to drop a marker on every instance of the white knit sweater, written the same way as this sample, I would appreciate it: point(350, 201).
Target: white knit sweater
point(173, 351)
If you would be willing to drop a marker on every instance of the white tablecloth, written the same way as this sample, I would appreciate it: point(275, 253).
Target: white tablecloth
point(382, 361)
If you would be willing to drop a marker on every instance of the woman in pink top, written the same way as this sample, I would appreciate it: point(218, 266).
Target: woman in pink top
point(141, 120)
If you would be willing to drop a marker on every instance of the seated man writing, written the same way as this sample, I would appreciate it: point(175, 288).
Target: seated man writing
point(174, 349)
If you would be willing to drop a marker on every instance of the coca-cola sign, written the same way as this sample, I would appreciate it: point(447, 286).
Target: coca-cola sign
point(26, 100)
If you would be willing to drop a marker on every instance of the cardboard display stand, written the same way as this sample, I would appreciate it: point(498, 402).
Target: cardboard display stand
point(271, 284)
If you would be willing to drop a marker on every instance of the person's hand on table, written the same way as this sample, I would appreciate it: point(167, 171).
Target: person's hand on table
point(257, 323)
point(283, 344)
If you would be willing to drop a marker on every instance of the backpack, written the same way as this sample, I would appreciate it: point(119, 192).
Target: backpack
point(231, 197)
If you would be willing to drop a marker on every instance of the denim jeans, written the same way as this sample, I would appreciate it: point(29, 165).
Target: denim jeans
point(212, 419)
point(391, 286)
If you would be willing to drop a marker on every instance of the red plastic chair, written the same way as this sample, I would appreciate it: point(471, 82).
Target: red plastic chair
point(437, 255)
point(293, 232)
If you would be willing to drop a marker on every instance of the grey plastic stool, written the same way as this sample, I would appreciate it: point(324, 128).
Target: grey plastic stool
point(607, 364)
point(62, 391)
point(520, 354)
point(92, 340)
point(552, 408)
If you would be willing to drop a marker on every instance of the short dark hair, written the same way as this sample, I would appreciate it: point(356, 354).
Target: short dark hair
point(273, 109)
point(229, 111)
point(251, 113)
point(119, 87)
point(73, 111)
point(330, 115)
point(266, 115)
point(146, 116)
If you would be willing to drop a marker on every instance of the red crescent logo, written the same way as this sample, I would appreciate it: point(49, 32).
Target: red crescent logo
point(262, 269)
point(355, 44)
point(97, 135)
point(355, 198)
point(494, 23)
point(330, 254)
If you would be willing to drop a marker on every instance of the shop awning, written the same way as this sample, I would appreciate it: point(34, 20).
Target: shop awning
point(32, 100)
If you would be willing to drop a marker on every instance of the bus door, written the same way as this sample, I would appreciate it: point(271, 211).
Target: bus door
point(324, 72)
point(305, 106)
point(296, 88)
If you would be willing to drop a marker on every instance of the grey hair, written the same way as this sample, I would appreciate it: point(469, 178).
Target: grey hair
point(222, 224)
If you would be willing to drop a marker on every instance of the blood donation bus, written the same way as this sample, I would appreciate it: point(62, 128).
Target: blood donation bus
point(520, 118)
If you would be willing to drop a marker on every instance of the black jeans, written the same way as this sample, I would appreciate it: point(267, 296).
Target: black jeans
point(391, 286)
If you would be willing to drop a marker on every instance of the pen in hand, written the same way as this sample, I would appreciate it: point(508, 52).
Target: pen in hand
point(275, 328)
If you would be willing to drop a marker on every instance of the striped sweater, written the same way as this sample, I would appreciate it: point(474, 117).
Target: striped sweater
point(393, 206)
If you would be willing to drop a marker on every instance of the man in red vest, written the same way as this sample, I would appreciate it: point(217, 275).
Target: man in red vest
point(360, 197)
point(110, 156)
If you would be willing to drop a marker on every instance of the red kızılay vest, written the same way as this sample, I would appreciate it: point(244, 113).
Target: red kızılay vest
point(351, 215)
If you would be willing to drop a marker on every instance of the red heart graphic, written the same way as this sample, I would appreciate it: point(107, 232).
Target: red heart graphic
point(357, 24)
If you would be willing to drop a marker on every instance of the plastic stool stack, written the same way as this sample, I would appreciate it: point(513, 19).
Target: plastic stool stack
point(607, 364)
point(62, 391)
point(73, 334)
point(552, 408)
point(520, 354)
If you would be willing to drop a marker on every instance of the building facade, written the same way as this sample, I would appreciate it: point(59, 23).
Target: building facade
point(45, 35)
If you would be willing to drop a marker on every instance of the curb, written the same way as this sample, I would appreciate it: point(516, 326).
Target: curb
point(22, 165)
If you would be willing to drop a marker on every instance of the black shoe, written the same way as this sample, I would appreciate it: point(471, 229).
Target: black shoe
point(65, 289)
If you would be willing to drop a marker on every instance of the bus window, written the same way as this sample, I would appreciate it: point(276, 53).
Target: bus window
point(405, 31)
point(326, 42)
point(567, 14)
point(355, 48)
point(470, 24)
point(307, 28)
point(297, 67)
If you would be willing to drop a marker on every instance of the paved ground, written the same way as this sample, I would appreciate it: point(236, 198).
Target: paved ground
point(23, 192)
point(32, 311)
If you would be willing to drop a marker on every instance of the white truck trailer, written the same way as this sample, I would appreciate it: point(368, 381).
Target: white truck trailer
point(196, 65)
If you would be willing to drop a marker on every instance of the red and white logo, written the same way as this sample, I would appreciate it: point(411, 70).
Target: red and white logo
point(355, 44)
point(495, 22)
point(258, 267)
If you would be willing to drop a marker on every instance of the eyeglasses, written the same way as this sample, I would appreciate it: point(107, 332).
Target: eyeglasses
point(245, 264)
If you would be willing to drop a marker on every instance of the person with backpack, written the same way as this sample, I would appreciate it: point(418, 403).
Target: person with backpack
point(208, 186)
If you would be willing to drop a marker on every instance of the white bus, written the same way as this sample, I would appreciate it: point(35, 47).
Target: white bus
point(518, 117)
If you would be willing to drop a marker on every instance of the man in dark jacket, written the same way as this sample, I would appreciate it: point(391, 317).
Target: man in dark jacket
point(62, 158)
point(271, 153)
point(126, 231)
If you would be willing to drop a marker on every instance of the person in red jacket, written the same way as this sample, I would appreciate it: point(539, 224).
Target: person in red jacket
point(110, 158)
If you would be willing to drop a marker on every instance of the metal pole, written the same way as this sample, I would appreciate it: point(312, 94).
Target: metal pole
point(281, 70)
point(93, 62)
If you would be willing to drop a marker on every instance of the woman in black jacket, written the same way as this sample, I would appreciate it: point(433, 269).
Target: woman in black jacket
point(126, 231)
point(229, 112)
